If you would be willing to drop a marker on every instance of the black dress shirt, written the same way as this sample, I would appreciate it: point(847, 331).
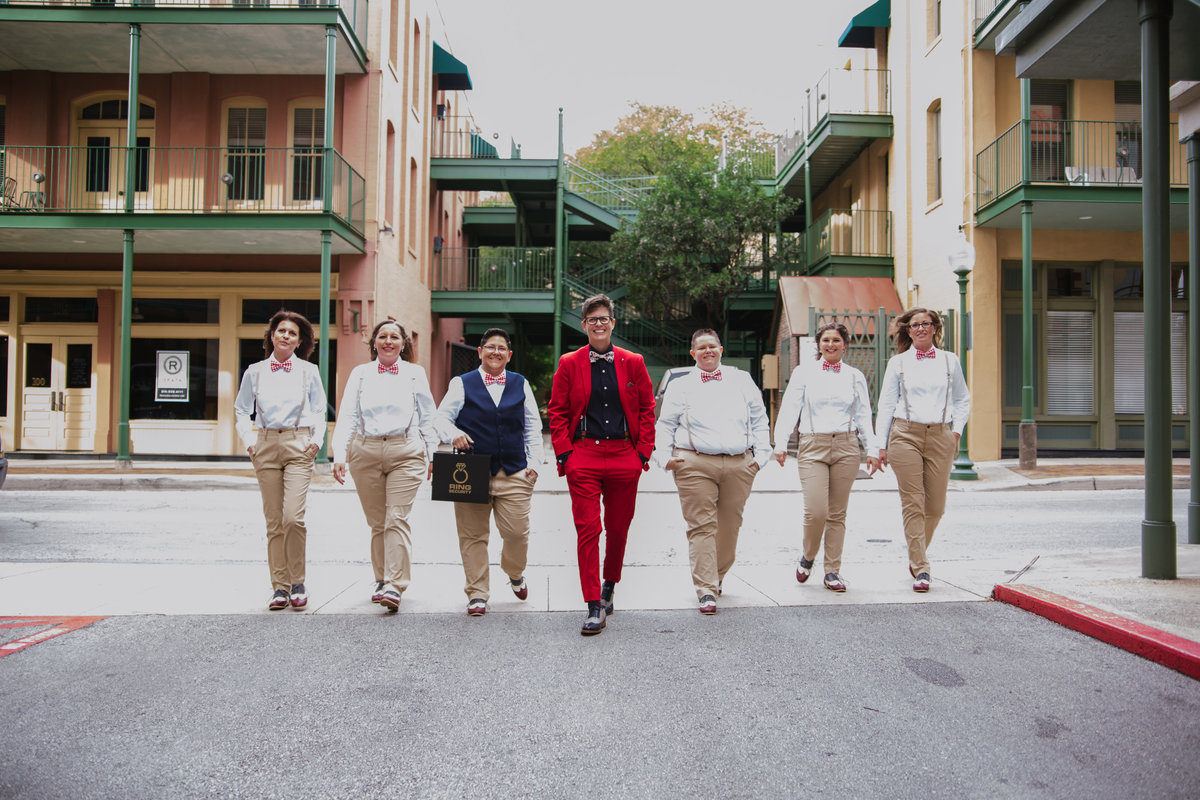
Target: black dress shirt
point(605, 419)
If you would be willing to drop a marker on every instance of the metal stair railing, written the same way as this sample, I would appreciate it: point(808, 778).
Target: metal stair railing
point(612, 194)
point(649, 336)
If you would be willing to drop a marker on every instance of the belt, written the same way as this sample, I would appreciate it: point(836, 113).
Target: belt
point(579, 436)
point(702, 453)
point(281, 430)
point(382, 438)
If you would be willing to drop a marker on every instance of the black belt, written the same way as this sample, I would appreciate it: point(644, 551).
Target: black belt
point(616, 438)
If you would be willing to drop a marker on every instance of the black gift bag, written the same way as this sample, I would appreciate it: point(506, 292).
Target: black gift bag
point(462, 477)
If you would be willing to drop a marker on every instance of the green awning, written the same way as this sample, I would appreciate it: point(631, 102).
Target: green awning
point(861, 30)
point(452, 73)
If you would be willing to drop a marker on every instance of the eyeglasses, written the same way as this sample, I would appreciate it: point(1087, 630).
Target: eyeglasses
point(597, 320)
point(920, 326)
point(495, 348)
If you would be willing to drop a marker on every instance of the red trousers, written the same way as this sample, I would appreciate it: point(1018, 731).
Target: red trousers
point(608, 470)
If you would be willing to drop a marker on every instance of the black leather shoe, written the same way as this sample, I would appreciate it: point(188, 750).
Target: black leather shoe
point(595, 620)
point(606, 596)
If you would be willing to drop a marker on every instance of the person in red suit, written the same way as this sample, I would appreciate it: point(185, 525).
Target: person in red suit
point(602, 428)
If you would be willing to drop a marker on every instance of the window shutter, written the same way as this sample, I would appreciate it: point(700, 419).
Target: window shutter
point(1070, 363)
point(1129, 363)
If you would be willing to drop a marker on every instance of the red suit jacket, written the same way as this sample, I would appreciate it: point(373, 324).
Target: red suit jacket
point(572, 389)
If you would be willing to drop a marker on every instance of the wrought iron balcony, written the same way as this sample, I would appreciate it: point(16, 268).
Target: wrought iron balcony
point(179, 180)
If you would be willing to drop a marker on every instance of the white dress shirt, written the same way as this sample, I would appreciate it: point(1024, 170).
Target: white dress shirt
point(925, 386)
point(715, 417)
point(382, 404)
point(823, 401)
point(455, 398)
point(284, 399)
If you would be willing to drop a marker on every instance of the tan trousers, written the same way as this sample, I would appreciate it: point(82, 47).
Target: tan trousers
point(712, 494)
point(387, 472)
point(828, 466)
point(921, 456)
point(284, 471)
point(510, 498)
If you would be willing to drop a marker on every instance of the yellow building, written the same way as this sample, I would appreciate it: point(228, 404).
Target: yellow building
point(280, 152)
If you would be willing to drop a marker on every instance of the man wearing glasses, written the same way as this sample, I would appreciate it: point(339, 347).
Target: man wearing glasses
point(492, 411)
point(602, 429)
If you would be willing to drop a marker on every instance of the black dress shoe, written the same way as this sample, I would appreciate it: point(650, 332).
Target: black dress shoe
point(595, 620)
point(606, 596)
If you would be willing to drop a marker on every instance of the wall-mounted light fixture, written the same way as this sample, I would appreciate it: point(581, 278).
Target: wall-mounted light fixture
point(441, 111)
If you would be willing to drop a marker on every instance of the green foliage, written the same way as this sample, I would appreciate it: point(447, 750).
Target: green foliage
point(696, 240)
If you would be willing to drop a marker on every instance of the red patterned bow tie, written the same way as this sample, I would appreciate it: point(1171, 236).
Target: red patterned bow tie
point(488, 380)
point(930, 353)
point(831, 367)
point(705, 377)
point(394, 368)
point(286, 366)
point(601, 356)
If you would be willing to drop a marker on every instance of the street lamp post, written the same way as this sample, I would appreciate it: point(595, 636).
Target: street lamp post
point(962, 258)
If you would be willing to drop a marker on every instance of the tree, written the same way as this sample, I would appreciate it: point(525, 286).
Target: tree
point(652, 138)
point(696, 241)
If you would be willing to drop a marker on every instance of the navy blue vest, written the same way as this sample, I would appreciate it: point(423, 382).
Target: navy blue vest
point(498, 430)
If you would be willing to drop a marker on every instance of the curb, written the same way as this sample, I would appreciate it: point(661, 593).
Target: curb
point(1174, 652)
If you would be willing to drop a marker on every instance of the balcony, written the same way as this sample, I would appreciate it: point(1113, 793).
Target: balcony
point(851, 242)
point(991, 17)
point(1078, 172)
point(474, 281)
point(238, 37)
point(225, 192)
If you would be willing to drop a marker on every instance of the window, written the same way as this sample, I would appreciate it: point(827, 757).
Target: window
point(308, 140)
point(246, 143)
point(259, 312)
point(1127, 111)
point(1071, 363)
point(115, 109)
point(2, 116)
point(933, 20)
point(389, 207)
point(417, 58)
point(933, 152)
point(394, 35)
point(202, 379)
point(61, 309)
point(1069, 282)
point(1129, 363)
point(414, 203)
point(187, 311)
point(3, 376)
point(1128, 283)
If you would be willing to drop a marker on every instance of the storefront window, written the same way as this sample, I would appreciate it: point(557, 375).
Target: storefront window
point(251, 350)
point(61, 309)
point(1069, 282)
point(201, 394)
point(4, 301)
point(3, 376)
point(1128, 283)
point(153, 309)
point(258, 312)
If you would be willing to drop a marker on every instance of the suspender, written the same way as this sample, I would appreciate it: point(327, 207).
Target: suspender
point(362, 422)
point(904, 391)
point(303, 396)
point(853, 407)
point(687, 420)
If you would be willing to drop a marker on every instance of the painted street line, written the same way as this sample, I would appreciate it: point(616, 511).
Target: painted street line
point(58, 626)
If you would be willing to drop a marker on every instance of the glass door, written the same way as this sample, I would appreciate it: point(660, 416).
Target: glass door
point(102, 169)
point(58, 394)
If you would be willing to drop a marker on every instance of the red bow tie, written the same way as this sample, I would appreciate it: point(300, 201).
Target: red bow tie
point(394, 368)
point(488, 380)
point(830, 367)
point(601, 356)
point(286, 366)
point(705, 377)
point(930, 353)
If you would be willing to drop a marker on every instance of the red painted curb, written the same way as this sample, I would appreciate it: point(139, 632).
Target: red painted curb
point(1176, 652)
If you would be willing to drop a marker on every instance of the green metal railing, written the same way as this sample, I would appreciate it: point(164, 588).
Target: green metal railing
point(181, 180)
point(494, 269)
point(847, 232)
point(643, 332)
point(871, 344)
point(355, 11)
point(613, 194)
point(1070, 152)
point(759, 158)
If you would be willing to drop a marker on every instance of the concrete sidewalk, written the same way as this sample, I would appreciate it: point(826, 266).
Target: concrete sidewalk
point(1159, 619)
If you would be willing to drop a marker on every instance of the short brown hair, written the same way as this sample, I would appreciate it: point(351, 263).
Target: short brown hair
point(307, 340)
point(406, 347)
point(838, 328)
point(598, 301)
point(705, 332)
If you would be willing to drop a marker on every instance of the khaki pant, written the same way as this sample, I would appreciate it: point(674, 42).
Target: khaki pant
point(712, 494)
point(510, 497)
point(921, 456)
point(284, 471)
point(387, 472)
point(828, 466)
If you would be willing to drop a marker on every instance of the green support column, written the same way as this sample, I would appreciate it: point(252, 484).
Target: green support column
point(1193, 284)
point(327, 207)
point(1027, 432)
point(560, 250)
point(123, 449)
point(808, 237)
point(1158, 527)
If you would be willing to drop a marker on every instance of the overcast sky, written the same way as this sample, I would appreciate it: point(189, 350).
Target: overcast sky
point(528, 57)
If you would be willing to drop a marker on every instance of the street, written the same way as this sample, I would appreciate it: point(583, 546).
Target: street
point(952, 696)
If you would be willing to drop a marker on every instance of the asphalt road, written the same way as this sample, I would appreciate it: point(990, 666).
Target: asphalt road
point(957, 700)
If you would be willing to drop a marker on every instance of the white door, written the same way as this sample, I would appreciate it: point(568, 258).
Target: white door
point(58, 394)
point(100, 173)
